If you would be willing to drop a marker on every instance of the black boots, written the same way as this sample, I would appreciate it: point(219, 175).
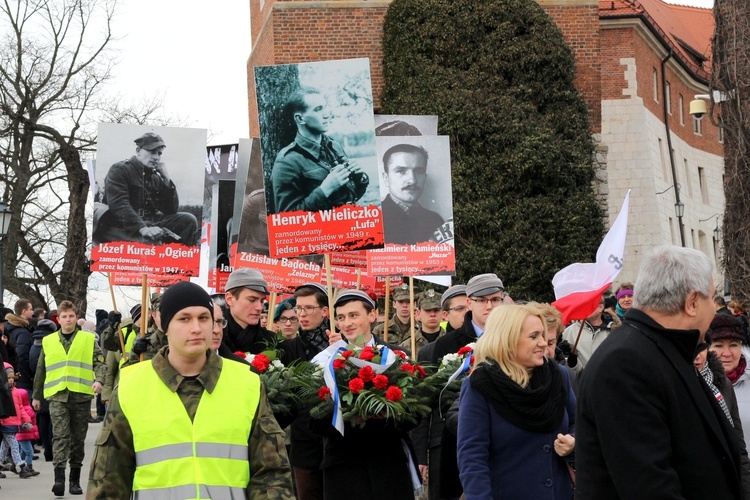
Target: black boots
point(59, 488)
point(75, 482)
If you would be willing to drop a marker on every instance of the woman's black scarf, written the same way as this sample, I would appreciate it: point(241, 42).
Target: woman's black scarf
point(539, 407)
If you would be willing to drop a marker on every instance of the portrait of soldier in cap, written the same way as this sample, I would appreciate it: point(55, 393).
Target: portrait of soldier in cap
point(140, 201)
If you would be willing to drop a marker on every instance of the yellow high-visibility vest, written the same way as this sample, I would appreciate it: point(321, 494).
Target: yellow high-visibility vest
point(177, 458)
point(128, 343)
point(73, 370)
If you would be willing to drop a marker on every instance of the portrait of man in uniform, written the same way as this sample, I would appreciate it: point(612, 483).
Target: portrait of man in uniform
point(140, 202)
point(314, 172)
point(405, 221)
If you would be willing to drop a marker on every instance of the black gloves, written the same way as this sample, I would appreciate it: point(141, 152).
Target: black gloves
point(114, 318)
point(572, 359)
point(140, 345)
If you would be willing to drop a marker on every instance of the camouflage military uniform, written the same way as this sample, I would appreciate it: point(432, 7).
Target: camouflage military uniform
point(110, 339)
point(428, 301)
point(419, 340)
point(113, 465)
point(157, 340)
point(69, 411)
point(397, 330)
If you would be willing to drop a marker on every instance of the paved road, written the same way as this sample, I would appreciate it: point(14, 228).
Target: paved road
point(40, 487)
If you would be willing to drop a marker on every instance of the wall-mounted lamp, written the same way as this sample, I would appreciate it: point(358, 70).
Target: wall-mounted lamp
point(717, 229)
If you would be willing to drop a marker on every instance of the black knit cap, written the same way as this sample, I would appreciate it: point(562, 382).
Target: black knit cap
point(178, 297)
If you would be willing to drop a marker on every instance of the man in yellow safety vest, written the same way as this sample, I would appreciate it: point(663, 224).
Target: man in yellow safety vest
point(188, 423)
point(69, 373)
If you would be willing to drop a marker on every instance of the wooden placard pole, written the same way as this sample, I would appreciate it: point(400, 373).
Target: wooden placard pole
point(411, 318)
point(114, 308)
point(271, 309)
point(387, 307)
point(144, 309)
point(327, 258)
point(359, 278)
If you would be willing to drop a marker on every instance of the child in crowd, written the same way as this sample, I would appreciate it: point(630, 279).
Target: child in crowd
point(27, 437)
point(11, 425)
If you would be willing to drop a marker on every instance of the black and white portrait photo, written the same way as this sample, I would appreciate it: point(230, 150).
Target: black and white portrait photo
point(415, 187)
point(317, 134)
point(406, 125)
point(150, 187)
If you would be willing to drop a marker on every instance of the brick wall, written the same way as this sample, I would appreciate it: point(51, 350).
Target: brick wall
point(580, 27)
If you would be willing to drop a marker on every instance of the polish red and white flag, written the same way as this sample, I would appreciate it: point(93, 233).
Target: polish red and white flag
point(579, 287)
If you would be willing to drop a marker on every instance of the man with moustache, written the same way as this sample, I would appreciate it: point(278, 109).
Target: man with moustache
point(405, 221)
point(313, 172)
point(140, 201)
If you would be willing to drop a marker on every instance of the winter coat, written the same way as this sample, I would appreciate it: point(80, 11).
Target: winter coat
point(498, 460)
point(7, 408)
point(722, 383)
point(32, 433)
point(19, 335)
point(20, 417)
point(647, 426)
point(742, 390)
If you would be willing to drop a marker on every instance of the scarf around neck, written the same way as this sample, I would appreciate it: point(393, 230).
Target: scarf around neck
point(538, 407)
point(735, 374)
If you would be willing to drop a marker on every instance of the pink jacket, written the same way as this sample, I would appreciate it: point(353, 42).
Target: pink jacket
point(21, 415)
point(33, 433)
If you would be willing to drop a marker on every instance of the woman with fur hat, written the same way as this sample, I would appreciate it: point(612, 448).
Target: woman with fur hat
point(730, 344)
point(710, 368)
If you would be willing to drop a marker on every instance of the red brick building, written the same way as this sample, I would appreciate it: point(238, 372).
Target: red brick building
point(622, 48)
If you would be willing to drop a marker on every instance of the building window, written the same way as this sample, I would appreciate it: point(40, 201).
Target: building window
point(664, 171)
point(668, 98)
point(688, 185)
point(656, 85)
point(693, 241)
point(702, 182)
point(697, 127)
point(721, 130)
point(681, 102)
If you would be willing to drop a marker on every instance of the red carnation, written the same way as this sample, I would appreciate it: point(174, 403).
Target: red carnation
point(394, 394)
point(339, 363)
point(464, 350)
point(400, 354)
point(356, 385)
point(324, 392)
point(240, 354)
point(380, 382)
point(347, 353)
point(419, 371)
point(367, 354)
point(407, 367)
point(471, 360)
point(366, 373)
point(261, 362)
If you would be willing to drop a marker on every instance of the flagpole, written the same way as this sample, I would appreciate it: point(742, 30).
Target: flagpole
point(578, 337)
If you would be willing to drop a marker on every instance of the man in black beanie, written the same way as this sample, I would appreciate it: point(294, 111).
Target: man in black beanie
point(168, 392)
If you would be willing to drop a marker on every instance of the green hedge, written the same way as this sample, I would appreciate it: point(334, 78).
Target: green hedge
point(499, 75)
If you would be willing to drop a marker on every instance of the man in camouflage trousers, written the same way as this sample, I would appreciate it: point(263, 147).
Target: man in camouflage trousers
point(70, 372)
point(235, 425)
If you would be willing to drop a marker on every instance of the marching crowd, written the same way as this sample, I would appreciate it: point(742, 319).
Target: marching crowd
point(645, 398)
